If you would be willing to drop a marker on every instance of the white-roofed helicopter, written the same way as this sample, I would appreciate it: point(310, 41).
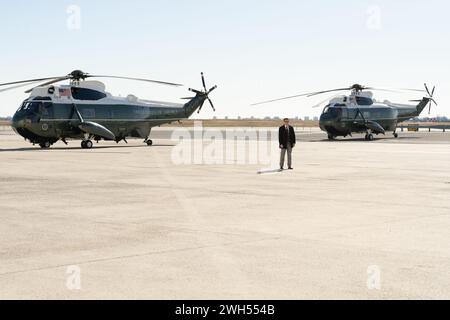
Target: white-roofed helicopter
point(84, 110)
point(358, 112)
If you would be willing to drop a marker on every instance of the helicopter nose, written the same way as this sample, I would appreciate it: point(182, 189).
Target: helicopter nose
point(325, 120)
point(17, 122)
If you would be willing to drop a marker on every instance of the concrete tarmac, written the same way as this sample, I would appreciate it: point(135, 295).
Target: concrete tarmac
point(355, 219)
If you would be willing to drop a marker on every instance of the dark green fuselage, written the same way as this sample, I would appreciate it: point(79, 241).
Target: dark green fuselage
point(341, 120)
point(40, 120)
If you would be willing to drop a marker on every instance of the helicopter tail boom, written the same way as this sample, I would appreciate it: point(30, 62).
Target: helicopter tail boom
point(422, 105)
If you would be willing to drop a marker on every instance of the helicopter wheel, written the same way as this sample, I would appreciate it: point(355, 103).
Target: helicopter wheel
point(331, 137)
point(45, 145)
point(395, 135)
point(87, 144)
point(149, 142)
point(369, 137)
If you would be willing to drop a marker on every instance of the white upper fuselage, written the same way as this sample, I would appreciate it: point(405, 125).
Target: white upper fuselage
point(63, 95)
point(365, 100)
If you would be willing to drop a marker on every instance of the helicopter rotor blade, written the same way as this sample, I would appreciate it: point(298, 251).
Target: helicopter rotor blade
point(16, 87)
point(393, 90)
point(27, 81)
point(428, 90)
point(431, 95)
point(280, 99)
point(322, 102)
point(136, 79)
point(212, 89)
point(204, 94)
point(431, 101)
point(204, 82)
point(195, 91)
point(212, 105)
point(327, 91)
point(367, 88)
point(412, 90)
point(379, 89)
point(49, 83)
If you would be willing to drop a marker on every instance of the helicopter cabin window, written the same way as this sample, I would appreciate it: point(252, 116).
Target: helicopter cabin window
point(364, 101)
point(87, 94)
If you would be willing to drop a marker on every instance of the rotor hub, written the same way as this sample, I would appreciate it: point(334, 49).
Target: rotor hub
point(78, 75)
point(358, 87)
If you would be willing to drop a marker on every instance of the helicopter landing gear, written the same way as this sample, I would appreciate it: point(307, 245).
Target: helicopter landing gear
point(45, 145)
point(331, 137)
point(395, 135)
point(148, 142)
point(87, 144)
point(369, 137)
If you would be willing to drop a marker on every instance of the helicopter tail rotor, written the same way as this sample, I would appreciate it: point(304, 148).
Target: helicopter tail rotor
point(205, 93)
point(430, 97)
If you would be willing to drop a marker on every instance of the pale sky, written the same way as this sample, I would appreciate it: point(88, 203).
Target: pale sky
point(253, 50)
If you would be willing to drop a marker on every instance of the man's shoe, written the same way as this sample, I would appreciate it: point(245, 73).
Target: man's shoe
point(290, 168)
point(281, 168)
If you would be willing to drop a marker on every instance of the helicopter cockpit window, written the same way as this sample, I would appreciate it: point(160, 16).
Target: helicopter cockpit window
point(364, 101)
point(37, 105)
point(30, 106)
point(326, 109)
point(87, 94)
point(335, 112)
point(22, 106)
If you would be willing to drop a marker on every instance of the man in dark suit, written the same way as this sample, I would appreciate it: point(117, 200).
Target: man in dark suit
point(287, 141)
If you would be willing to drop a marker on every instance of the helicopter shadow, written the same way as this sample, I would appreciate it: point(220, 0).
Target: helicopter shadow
point(35, 149)
point(352, 140)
